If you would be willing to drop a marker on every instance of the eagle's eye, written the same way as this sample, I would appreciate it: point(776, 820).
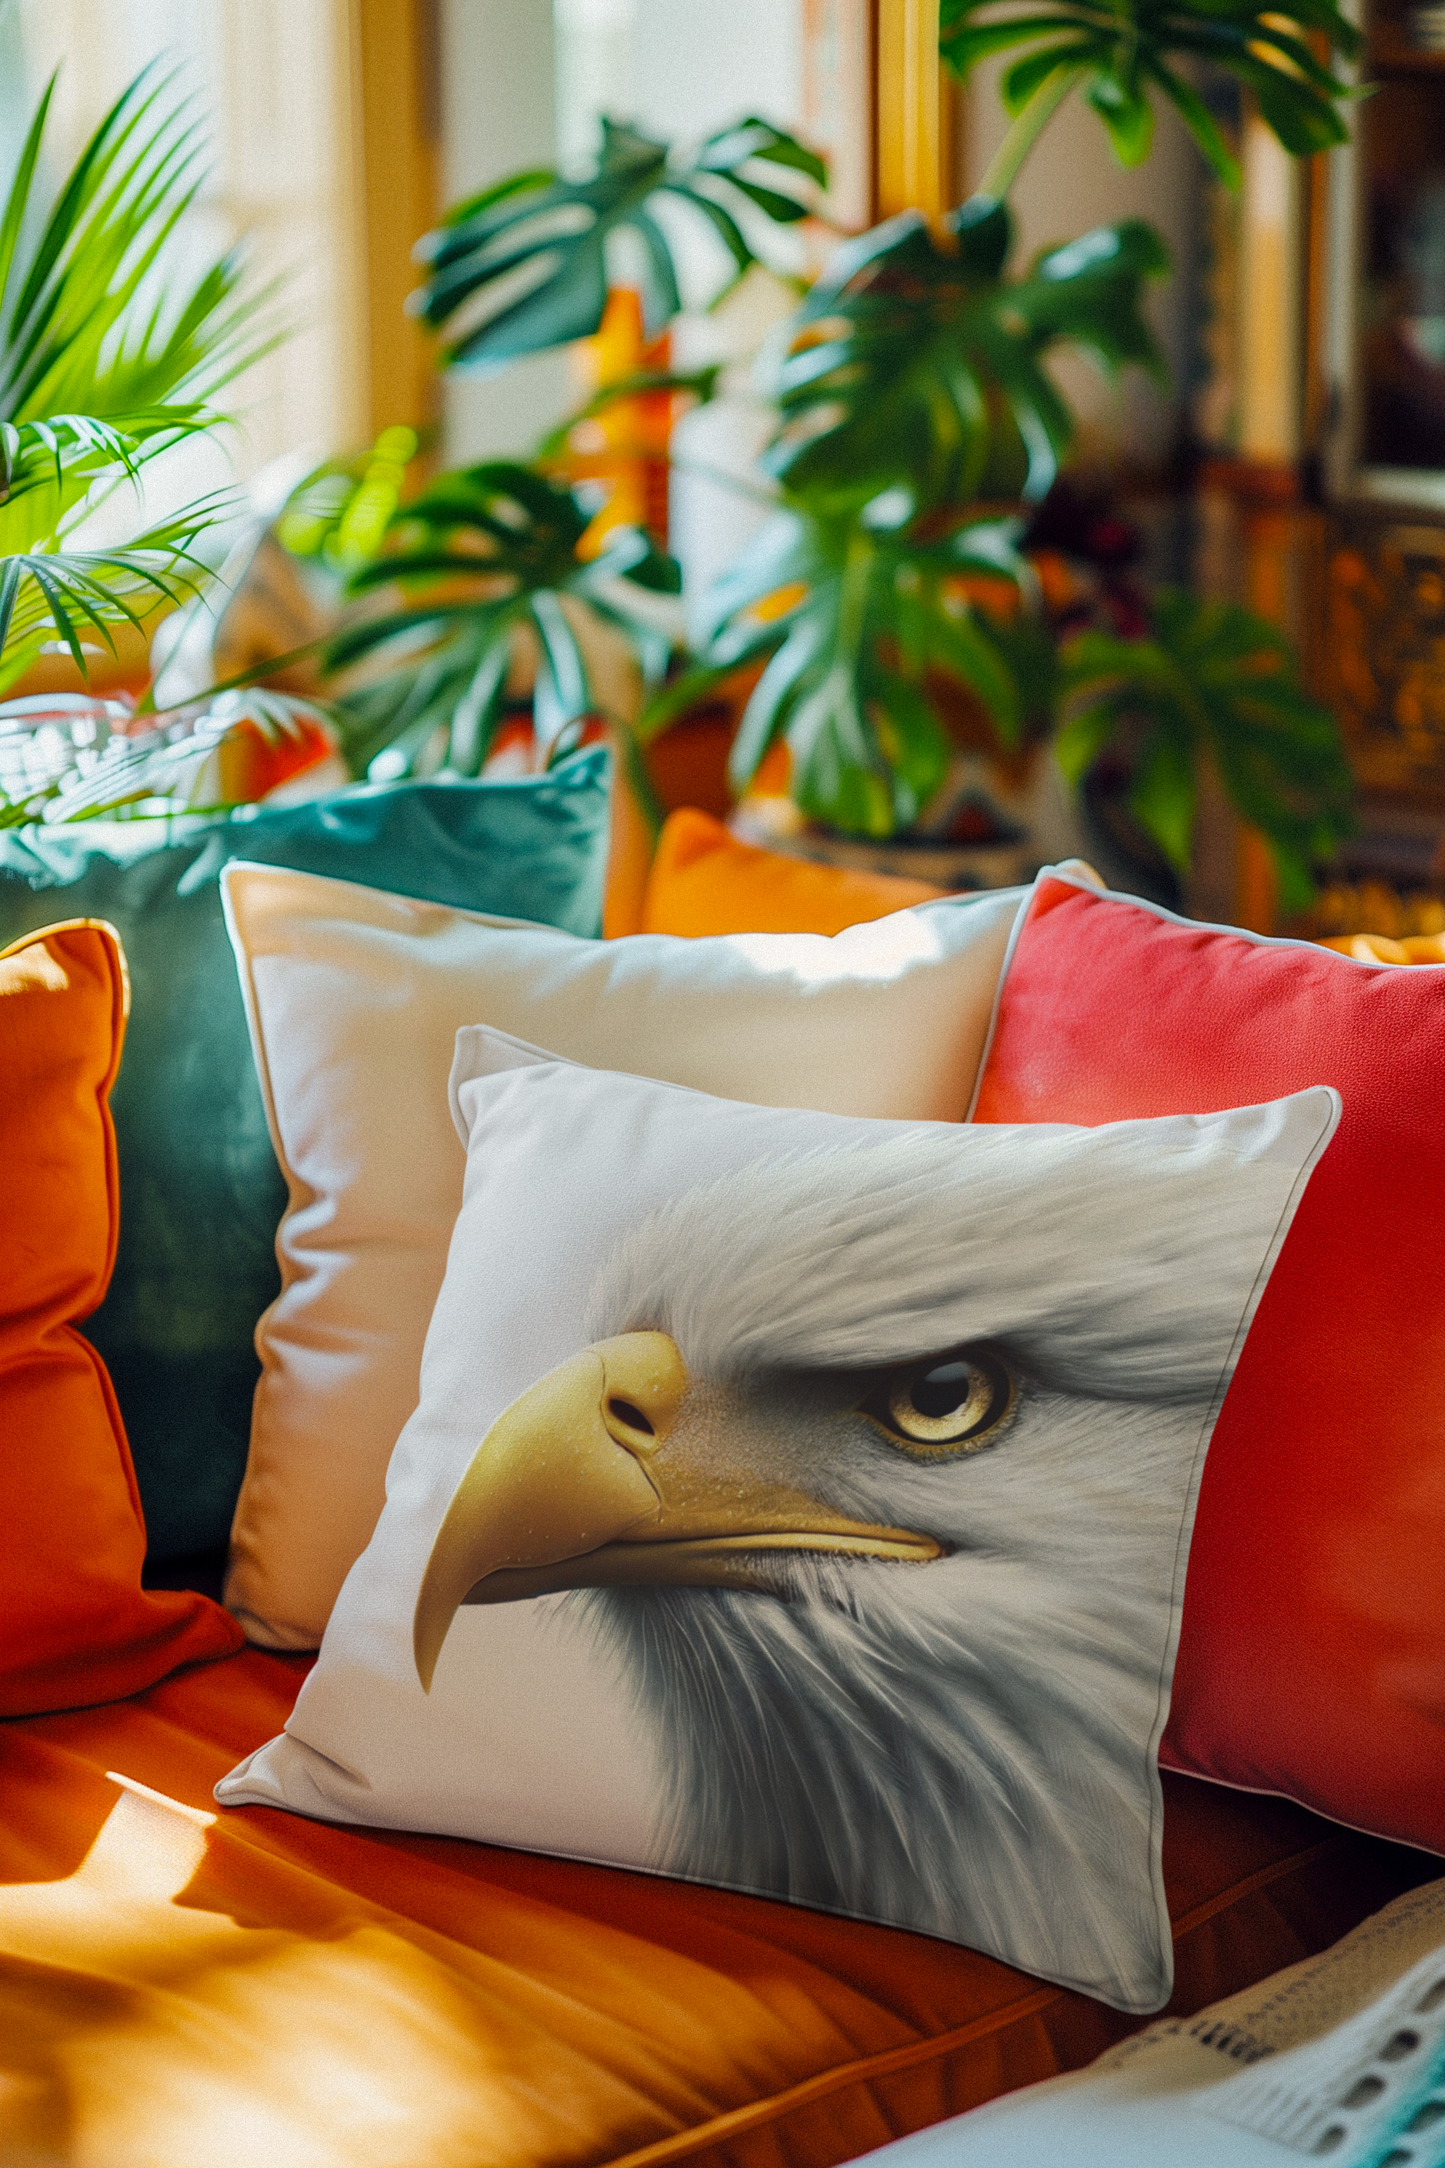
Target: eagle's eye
point(953, 1403)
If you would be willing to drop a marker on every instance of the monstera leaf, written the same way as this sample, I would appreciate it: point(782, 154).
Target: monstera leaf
point(531, 257)
point(913, 361)
point(339, 514)
point(1210, 682)
point(488, 556)
point(1121, 51)
point(854, 614)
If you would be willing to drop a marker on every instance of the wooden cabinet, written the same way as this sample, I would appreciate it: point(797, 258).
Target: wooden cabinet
point(1384, 649)
point(1385, 282)
point(1374, 626)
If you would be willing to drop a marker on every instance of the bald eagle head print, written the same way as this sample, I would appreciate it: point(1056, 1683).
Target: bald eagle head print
point(873, 1478)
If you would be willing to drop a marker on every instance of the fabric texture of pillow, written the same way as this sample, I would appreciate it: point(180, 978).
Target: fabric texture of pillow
point(355, 1001)
point(703, 880)
point(794, 1503)
point(75, 1625)
point(203, 1193)
point(1312, 1660)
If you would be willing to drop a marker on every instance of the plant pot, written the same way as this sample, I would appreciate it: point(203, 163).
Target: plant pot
point(1026, 815)
point(776, 824)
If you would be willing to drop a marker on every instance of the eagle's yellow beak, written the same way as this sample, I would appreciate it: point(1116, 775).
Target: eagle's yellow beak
point(573, 1487)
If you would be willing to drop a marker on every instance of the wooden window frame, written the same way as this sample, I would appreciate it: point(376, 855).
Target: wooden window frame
point(395, 62)
point(917, 112)
point(912, 108)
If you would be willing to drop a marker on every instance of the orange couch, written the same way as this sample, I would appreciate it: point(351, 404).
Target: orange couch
point(180, 1986)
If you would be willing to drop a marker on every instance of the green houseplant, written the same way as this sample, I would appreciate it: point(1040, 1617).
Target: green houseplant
point(484, 561)
point(107, 361)
point(918, 424)
point(490, 575)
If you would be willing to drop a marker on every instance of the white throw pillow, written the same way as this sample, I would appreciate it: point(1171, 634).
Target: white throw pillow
point(355, 998)
point(801, 1503)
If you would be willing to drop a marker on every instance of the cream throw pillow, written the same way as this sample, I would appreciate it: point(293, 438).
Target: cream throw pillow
point(802, 1504)
point(355, 998)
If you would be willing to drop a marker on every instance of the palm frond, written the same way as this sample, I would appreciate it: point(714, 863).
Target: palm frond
point(68, 757)
point(74, 597)
point(53, 470)
point(106, 362)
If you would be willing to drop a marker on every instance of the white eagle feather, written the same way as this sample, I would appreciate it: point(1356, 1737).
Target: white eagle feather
point(914, 1742)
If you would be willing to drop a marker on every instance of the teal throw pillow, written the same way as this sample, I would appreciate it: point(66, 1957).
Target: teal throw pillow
point(201, 1194)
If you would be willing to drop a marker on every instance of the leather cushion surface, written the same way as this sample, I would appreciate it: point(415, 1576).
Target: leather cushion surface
point(190, 1981)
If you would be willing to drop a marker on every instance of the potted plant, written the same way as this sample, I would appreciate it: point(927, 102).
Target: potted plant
point(495, 597)
point(918, 433)
point(493, 592)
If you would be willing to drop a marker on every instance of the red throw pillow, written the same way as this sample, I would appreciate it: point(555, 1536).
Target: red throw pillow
point(1312, 1653)
point(75, 1624)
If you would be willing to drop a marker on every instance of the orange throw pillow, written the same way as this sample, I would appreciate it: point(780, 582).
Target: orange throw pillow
point(1379, 948)
point(75, 1624)
point(704, 881)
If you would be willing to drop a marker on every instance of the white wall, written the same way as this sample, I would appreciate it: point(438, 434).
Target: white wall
point(498, 115)
point(697, 64)
point(523, 82)
point(681, 69)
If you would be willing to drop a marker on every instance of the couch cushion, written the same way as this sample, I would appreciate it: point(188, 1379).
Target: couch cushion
point(1342, 2054)
point(348, 1994)
point(74, 1623)
point(203, 1194)
point(1312, 1652)
point(704, 880)
point(355, 1000)
point(654, 1412)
